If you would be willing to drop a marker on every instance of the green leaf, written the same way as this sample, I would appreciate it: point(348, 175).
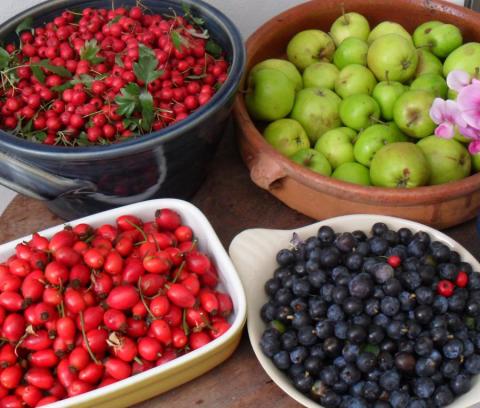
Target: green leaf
point(25, 25)
point(89, 52)
point(62, 71)
point(118, 61)
point(28, 127)
point(176, 40)
point(38, 73)
point(128, 101)
point(63, 87)
point(186, 8)
point(213, 49)
point(144, 52)
point(4, 58)
point(85, 79)
point(131, 123)
point(146, 67)
point(40, 136)
point(114, 20)
point(133, 88)
point(146, 103)
point(196, 76)
point(82, 139)
point(187, 11)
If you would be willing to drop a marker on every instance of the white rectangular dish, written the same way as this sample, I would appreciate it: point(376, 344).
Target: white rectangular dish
point(176, 372)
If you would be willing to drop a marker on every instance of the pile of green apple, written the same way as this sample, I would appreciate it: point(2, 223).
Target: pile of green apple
point(354, 103)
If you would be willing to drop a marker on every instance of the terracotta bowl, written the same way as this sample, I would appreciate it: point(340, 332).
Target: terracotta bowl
point(321, 197)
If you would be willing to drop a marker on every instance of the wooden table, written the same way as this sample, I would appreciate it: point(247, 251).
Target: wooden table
point(232, 203)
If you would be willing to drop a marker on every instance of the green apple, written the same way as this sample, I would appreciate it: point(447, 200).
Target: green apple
point(270, 95)
point(399, 165)
point(352, 173)
point(320, 75)
point(386, 93)
point(354, 79)
point(287, 136)
point(433, 83)
point(476, 162)
point(359, 111)
point(351, 51)
point(371, 140)
point(465, 58)
point(421, 35)
point(444, 39)
point(317, 111)
point(309, 46)
point(337, 145)
point(392, 57)
point(285, 66)
point(427, 63)
point(349, 25)
point(449, 160)
point(314, 160)
point(398, 133)
point(411, 113)
point(388, 27)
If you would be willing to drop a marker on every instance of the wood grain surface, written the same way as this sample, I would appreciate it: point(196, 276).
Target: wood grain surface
point(232, 203)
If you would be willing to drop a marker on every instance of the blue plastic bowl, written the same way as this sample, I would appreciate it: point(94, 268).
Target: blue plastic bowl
point(77, 181)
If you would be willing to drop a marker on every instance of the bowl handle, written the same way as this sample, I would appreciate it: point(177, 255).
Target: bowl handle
point(36, 183)
point(265, 171)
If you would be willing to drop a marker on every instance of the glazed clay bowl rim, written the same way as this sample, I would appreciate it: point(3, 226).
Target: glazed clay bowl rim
point(146, 142)
point(253, 254)
point(284, 167)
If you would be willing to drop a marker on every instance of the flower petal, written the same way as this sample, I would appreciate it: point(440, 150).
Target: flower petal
point(458, 79)
point(469, 132)
point(453, 114)
point(474, 147)
point(437, 110)
point(445, 130)
point(468, 101)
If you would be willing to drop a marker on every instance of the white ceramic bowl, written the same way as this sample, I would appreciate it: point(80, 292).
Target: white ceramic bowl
point(160, 379)
point(253, 253)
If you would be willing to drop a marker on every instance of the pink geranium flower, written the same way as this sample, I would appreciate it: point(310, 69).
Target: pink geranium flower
point(462, 114)
point(446, 115)
point(457, 80)
point(474, 147)
point(468, 101)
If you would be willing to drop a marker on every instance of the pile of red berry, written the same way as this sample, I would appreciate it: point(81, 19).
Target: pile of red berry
point(92, 306)
point(103, 76)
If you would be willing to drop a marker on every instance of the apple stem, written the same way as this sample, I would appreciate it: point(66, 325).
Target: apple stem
point(386, 77)
point(376, 120)
point(345, 17)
